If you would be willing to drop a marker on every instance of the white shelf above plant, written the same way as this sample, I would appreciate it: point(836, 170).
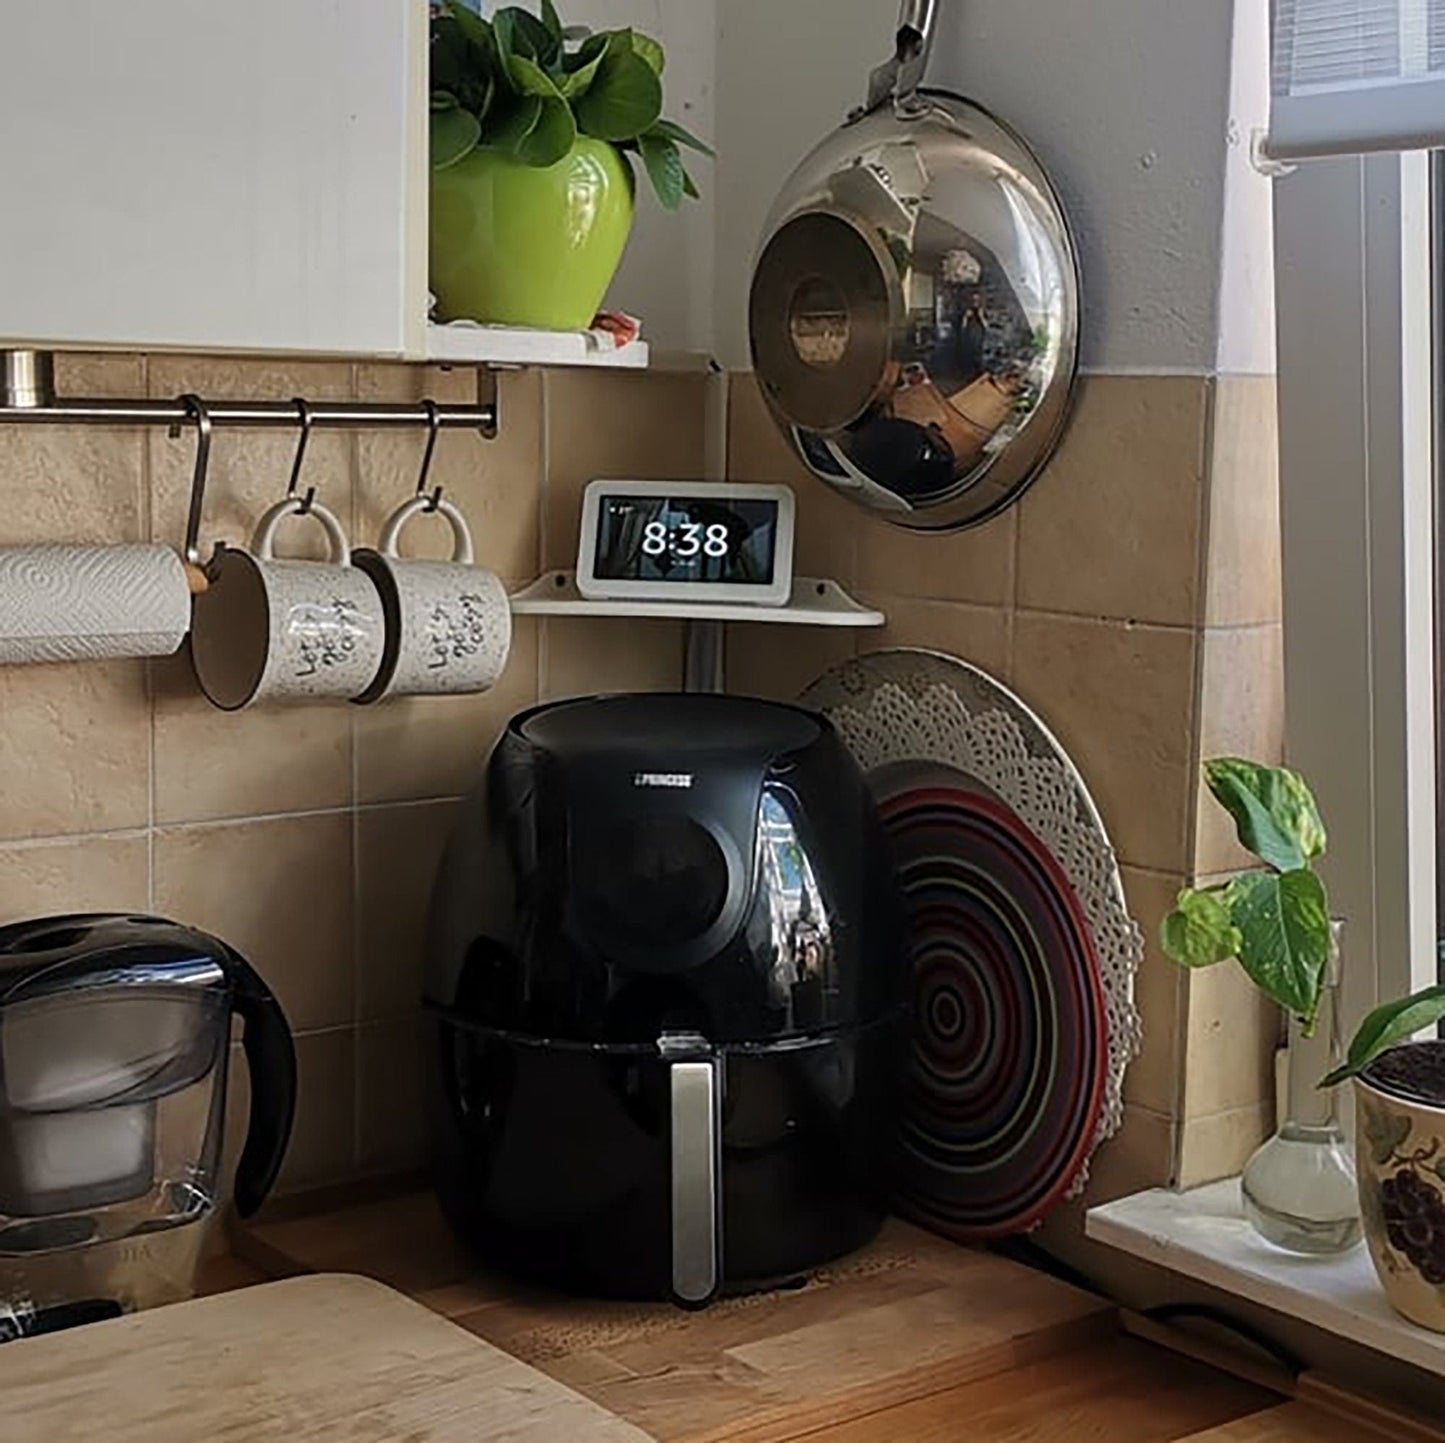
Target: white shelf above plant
point(814, 602)
point(1203, 1234)
point(518, 346)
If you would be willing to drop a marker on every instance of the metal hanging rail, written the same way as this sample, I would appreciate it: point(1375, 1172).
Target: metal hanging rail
point(27, 395)
point(350, 414)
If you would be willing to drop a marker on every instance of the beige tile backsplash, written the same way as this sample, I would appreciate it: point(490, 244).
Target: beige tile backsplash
point(1113, 526)
point(633, 426)
point(1130, 598)
point(1121, 700)
point(74, 748)
point(306, 836)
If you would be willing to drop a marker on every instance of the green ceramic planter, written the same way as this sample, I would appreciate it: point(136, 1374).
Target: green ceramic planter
point(520, 245)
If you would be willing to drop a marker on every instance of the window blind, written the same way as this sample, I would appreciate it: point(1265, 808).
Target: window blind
point(1348, 76)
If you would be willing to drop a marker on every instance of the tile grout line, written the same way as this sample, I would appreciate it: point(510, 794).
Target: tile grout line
point(353, 727)
point(1184, 990)
point(121, 834)
point(149, 666)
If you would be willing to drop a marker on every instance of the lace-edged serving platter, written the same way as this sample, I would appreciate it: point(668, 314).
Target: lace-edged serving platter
point(1024, 953)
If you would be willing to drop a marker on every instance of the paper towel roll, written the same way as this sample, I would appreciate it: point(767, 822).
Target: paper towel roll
point(83, 603)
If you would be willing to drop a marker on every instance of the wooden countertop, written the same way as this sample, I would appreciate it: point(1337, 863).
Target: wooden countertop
point(313, 1358)
point(911, 1340)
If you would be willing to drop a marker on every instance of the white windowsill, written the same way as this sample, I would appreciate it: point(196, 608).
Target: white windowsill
point(1203, 1235)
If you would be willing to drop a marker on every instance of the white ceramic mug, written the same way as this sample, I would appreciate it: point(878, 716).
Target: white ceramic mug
point(448, 623)
point(269, 630)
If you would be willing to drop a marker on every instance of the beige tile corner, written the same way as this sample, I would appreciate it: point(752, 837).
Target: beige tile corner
point(76, 483)
point(830, 529)
point(1139, 1156)
point(976, 565)
point(280, 892)
point(978, 634)
point(1216, 1147)
point(1241, 714)
point(1120, 699)
point(323, 1138)
point(392, 1126)
point(779, 662)
point(211, 764)
point(1113, 526)
point(589, 656)
point(1234, 1032)
point(419, 747)
point(75, 874)
point(1243, 584)
point(1153, 1079)
point(71, 483)
point(74, 748)
point(629, 426)
point(106, 374)
point(322, 1148)
point(757, 448)
point(398, 852)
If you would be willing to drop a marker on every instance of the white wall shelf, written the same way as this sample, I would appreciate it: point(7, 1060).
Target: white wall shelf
point(1203, 1234)
point(814, 602)
point(517, 346)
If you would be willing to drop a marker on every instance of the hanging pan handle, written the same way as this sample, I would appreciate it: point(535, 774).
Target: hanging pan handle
point(898, 78)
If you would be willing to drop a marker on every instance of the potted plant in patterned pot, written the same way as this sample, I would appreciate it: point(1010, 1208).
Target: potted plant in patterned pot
point(1400, 1151)
point(534, 129)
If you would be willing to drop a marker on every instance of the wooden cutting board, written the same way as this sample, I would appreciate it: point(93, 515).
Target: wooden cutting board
point(323, 1357)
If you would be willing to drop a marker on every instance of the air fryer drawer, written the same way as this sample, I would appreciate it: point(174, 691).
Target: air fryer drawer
point(554, 1161)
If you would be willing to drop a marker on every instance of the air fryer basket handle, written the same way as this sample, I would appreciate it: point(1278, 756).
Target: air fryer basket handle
point(696, 1151)
point(271, 1059)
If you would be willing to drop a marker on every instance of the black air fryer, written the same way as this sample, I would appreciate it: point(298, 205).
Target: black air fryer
point(667, 983)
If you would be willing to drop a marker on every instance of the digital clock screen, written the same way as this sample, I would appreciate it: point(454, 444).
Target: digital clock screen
point(663, 538)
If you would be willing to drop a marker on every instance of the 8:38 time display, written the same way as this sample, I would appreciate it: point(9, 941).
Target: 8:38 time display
point(703, 543)
point(685, 539)
point(691, 538)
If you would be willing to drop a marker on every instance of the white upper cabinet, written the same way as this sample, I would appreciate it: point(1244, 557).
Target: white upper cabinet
point(214, 174)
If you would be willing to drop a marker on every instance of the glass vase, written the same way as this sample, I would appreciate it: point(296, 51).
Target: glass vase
point(1299, 1188)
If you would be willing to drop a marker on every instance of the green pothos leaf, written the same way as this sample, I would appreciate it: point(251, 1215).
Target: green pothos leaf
point(1200, 930)
point(1285, 940)
point(1274, 811)
point(1387, 1026)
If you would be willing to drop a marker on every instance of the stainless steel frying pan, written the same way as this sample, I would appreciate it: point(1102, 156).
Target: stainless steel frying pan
point(915, 303)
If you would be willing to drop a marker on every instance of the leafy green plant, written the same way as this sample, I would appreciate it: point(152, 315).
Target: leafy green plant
point(525, 86)
point(1390, 1024)
point(1275, 919)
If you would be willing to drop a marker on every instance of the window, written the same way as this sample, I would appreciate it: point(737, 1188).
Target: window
point(1353, 270)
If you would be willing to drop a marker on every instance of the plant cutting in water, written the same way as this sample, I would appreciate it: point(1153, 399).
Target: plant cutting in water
point(1274, 919)
point(526, 87)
